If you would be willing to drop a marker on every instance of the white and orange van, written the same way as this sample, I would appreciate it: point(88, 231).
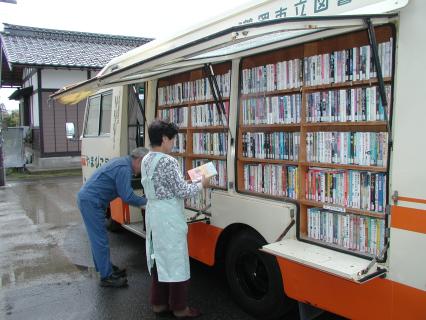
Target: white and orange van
point(258, 238)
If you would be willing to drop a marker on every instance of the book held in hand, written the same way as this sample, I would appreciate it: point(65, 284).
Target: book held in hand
point(208, 170)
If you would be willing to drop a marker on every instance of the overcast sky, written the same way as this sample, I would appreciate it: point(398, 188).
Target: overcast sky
point(148, 18)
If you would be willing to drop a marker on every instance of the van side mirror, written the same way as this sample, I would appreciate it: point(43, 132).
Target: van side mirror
point(70, 130)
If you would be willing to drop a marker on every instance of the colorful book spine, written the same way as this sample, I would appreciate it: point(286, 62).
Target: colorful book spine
point(350, 188)
point(211, 143)
point(349, 231)
point(179, 116)
point(271, 145)
point(271, 179)
point(197, 90)
point(346, 105)
point(353, 148)
point(283, 109)
point(280, 76)
point(204, 115)
point(351, 64)
point(180, 143)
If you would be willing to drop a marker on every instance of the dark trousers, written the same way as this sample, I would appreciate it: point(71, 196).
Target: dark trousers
point(172, 294)
point(94, 220)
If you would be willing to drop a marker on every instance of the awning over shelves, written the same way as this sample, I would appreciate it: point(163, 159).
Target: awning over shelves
point(190, 51)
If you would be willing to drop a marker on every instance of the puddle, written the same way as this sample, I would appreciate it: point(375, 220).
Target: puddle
point(87, 269)
point(37, 221)
point(50, 202)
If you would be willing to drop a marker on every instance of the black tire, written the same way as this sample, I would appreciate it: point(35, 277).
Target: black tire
point(254, 278)
point(110, 224)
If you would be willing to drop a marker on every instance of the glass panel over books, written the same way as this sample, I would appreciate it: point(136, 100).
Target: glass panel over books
point(312, 129)
point(186, 99)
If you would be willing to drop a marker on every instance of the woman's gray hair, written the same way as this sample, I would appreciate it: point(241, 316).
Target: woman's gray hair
point(139, 152)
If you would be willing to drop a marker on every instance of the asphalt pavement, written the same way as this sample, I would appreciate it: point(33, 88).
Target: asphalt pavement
point(46, 269)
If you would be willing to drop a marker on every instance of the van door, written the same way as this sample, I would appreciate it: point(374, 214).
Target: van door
point(97, 139)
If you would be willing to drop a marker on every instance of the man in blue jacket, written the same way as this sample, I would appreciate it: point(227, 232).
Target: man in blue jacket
point(108, 182)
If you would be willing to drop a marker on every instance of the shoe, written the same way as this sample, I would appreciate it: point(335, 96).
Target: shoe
point(190, 313)
point(119, 272)
point(113, 281)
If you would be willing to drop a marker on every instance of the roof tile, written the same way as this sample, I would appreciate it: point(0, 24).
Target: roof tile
point(47, 47)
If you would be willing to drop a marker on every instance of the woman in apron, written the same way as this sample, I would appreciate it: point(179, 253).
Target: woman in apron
point(166, 227)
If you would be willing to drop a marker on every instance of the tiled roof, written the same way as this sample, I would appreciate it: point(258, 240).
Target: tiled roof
point(47, 47)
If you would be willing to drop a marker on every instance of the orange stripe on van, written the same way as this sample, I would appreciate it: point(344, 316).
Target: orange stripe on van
point(408, 302)
point(325, 291)
point(407, 199)
point(202, 240)
point(375, 299)
point(408, 219)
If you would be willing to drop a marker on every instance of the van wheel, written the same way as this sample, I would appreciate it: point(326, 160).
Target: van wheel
point(254, 278)
point(110, 224)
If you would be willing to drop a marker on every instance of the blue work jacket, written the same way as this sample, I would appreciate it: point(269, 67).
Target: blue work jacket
point(110, 181)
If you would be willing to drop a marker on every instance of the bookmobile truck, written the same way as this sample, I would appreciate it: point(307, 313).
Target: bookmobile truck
point(313, 113)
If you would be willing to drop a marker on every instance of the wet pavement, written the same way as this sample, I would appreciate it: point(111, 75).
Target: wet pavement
point(46, 269)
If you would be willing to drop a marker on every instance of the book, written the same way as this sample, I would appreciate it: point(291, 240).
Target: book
point(208, 170)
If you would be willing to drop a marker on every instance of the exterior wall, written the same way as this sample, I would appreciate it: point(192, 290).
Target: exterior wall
point(34, 81)
point(50, 116)
point(36, 144)
point(54, 117)
point(47, 118)
point(34, 111)
point(30, 78)
point(56, 79)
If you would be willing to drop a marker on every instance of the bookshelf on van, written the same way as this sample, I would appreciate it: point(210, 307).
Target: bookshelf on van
point(186, 100)
point(312, 129)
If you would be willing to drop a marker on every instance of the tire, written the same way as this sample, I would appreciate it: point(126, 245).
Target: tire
point(110, 224)
point(254, 278)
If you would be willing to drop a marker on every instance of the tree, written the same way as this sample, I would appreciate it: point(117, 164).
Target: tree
point(12, 119)
point(8, 119)
point(3, 114)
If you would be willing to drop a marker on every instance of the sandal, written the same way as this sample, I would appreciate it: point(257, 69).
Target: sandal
point(163, 312)
point(190, 313)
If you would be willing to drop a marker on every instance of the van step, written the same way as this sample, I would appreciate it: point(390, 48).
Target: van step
point(136, 227)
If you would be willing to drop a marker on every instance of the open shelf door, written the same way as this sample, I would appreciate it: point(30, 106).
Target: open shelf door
point(333, 262)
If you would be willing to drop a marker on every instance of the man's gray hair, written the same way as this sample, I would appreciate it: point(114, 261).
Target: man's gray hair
point(139, 152)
